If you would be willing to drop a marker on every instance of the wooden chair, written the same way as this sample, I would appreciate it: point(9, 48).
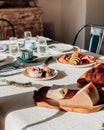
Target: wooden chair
point(96, 37)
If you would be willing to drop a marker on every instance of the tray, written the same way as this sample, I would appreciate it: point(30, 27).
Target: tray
point(41, 100)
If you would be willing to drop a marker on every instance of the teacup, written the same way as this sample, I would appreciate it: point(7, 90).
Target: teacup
point(26, 54)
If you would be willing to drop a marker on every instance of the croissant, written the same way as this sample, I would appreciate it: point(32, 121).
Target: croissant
point(94, 75)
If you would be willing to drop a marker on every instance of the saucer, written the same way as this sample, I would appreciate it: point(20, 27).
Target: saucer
point(35, 58)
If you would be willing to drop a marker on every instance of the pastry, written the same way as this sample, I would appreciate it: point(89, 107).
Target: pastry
point(94, 75)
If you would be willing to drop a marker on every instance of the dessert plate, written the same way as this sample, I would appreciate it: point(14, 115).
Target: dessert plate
point(40, 79)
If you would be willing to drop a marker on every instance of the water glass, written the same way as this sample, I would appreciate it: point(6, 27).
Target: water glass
point(27, 34)
point(42, 46)
point(13, 46)
point(30, 43)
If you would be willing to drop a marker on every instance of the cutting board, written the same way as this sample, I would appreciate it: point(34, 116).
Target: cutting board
point(41, 100)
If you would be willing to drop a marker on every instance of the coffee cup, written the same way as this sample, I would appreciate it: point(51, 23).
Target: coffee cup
point(26, 54)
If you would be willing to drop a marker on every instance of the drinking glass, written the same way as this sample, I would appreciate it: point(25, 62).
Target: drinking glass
point(41, 46)
point(13, 46)
point(29, 41)
point(27, 34)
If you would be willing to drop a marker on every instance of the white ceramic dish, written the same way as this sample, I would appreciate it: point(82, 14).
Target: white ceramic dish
point(77, 66)
point(60, 47)
point(8, 59)
point(3, 57)
point(41, 79)
point(3, 48)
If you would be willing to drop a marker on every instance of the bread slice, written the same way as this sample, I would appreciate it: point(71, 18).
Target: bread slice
point(57, 92)
point(86, 97)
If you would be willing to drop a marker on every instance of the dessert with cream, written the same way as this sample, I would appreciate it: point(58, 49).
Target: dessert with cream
point(38, 72)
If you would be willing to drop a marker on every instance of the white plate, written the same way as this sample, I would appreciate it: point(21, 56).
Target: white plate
point(60, 47)
point(46, 38)
point(77, 66)
point(9, 59)
point(83, 65)
point(2, 57)
point(3, 48)
point(41, 79)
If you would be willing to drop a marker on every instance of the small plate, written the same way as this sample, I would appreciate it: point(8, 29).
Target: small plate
point(3, 57)
point(40, 79)
point(60, 47)
point(35, 58)
point(3, 48)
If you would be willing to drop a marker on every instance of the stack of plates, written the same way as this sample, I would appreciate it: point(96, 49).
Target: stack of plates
point(3, 57)
point(6, 59)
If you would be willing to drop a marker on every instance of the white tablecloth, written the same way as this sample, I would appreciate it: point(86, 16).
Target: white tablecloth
point(18, 111)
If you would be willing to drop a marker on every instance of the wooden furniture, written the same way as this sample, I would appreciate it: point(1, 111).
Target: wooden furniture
point(23, 19)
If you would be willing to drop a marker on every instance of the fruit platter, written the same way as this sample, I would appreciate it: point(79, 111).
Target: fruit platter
point(40, 73)
point(77, 59)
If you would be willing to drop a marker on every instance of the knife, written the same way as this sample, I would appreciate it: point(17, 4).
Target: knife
point(47, 61)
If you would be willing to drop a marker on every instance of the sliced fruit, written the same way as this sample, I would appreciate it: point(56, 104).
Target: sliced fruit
point(74, 60)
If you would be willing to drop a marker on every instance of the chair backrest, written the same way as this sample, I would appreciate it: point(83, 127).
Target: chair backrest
point(96, 37)
point(11, 25)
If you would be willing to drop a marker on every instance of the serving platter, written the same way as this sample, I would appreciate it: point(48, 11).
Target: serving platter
point(77, 59)
point(41, 100)
point(77, 66)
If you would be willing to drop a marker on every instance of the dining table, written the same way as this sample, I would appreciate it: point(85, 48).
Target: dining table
point(18, 110)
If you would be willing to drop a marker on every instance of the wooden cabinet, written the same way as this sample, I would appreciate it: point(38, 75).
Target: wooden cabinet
point(23, 19)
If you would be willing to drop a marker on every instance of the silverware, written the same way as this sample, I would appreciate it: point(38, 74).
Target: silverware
point(47, 61)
